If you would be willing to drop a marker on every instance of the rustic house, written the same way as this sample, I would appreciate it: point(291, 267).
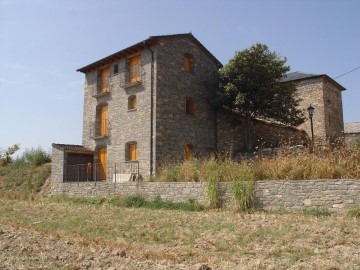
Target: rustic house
point(150, 103)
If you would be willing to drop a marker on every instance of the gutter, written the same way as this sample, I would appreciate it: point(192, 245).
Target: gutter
point(151, 110)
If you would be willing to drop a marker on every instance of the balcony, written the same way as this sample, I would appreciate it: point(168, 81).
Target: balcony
point(102, 87)
point(101, 129)
point(132, 77)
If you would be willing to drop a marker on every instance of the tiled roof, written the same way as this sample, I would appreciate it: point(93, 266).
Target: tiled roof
point(353, 127)
point(71, 147)
point(297, 76)
point(293, 76)
point(140, 46)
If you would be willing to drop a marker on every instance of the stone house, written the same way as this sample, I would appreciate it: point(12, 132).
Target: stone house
point(352, 133)
point(150, 103)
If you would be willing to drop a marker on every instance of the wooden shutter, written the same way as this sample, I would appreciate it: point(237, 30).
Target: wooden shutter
point(133, 102)
point(187, 63)
point(102, 157)
point(190, 106)
point(104, 79)
point(104, 121)
point(133, 152)
point(134, 67)
point(188, 151)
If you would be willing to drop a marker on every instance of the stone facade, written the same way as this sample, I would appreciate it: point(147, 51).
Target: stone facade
point(334, 194)
point(324, 94)
point(231, 134)
point(175, 128)
point(160, 125)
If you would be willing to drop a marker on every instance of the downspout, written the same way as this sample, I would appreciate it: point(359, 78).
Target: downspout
point(151, 110)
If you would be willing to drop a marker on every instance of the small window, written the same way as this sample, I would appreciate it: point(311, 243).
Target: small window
point(132, 103)
point(187, 62)
point(116, 69)
point(189, 106)
point(188, 151)
point(131, 151)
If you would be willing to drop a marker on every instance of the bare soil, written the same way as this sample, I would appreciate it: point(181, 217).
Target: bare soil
point(44, 234)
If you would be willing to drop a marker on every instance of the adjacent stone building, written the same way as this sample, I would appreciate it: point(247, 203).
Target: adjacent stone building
point(352, 133)
point(151, 103)
point(324, 94)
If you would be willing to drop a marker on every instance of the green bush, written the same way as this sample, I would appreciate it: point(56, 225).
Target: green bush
point(36, 156)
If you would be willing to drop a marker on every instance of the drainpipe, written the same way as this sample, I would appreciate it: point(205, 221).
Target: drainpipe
point(151, 110)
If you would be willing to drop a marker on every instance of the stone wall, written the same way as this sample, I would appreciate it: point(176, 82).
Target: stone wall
point(231, 134)
point(333, 194)
point(325, 97)
point(175, 128)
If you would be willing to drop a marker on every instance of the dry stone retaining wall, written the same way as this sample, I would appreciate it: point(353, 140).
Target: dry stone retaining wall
point(334, 194)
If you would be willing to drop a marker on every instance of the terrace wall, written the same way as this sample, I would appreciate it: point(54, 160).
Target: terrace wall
point(333, 194)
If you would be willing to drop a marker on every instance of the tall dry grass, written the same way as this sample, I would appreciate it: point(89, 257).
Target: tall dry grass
point(323, 163)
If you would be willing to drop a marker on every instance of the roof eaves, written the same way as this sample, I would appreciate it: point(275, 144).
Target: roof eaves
point(141, 45)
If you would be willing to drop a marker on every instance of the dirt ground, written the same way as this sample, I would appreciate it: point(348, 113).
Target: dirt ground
point(51, 235)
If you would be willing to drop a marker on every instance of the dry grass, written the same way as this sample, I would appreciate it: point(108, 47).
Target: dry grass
point(177, 239)
point(324, 163)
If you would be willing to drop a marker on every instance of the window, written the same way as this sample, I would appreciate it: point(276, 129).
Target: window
point(103, 80)
point(102, 125)
point(134, 69)
point(187, 62)
point(116, 69)
point(188, 151)
point(131, 151)
point(189, 106)
point(132, 103)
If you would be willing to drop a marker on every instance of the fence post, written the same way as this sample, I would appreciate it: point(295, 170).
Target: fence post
point(115, 172)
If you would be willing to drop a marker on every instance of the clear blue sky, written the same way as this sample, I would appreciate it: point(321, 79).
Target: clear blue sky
point(43, 42)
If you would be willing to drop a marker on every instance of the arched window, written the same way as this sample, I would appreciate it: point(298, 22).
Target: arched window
point(131, 151)
point(189, 106)
point(188, 151)
point(187, 62)
point(132, 102)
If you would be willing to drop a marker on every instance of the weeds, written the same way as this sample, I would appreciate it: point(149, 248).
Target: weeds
point(243, 194)
point(354, 212)
point(317, 211)
point(133, 201)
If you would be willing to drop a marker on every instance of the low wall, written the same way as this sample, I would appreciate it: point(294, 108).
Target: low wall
point(333, 194)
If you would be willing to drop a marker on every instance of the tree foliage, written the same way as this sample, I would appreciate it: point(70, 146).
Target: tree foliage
point(6, 155)
point(251, 85)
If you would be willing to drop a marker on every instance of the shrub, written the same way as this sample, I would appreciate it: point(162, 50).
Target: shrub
point(36, 156)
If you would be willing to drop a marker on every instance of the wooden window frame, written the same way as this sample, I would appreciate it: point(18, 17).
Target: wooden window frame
point(104, 80)
point(132, 146)
point(189, 106)
point(187, 65)
point(132, 103)
point(116, 69)
point(188, 151)
point(135, 68)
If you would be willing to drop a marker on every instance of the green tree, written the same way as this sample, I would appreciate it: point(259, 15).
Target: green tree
point(250, 84)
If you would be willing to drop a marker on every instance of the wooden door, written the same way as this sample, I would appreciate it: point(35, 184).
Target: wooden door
point(102, 156)
point(104, 79)
point(133, 151)
point(104, 121)
point(188, 151)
